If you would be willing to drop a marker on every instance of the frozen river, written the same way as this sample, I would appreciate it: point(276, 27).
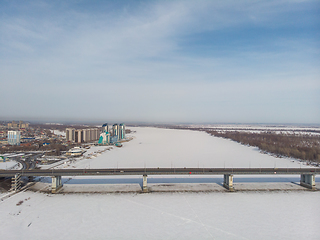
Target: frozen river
point(164, 148)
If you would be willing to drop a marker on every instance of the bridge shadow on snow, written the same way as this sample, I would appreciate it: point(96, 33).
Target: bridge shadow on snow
point(176, 180)
point(139, 180)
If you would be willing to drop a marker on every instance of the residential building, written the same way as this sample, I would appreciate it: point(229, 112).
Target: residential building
point(14, 137)
point(17, 125)
point(70, 134)
point(82, 135)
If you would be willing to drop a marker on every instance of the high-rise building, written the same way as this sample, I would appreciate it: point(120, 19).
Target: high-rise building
point(78, 136)
point(19, 124)
point(14, 137)
point(104, 138)
point(82, 135)
point(24, 125)
point(105, 127)
point(122, 131)
point(13, 124)
point(115, 130)
point(70, 134)
point(86, 135)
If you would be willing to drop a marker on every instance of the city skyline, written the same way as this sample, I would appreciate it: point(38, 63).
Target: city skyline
point(160, 61)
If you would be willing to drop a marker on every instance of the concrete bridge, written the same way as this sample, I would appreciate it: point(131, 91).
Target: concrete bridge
point(307, 175)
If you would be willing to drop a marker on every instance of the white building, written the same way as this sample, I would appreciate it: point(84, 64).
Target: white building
point(75, 152)
point(104, 138)
point(14, 137)
point(122, 131)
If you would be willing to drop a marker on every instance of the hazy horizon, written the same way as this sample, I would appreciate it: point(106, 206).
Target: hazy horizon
point(160, 61)
point(150, 123)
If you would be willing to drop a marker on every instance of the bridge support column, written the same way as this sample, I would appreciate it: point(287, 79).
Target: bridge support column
point(16, 182)
point(56, 184)
point(308, 181)
point(144, 184)
point(228, 181)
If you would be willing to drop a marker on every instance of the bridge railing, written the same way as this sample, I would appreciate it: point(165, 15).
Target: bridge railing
point(307, 175)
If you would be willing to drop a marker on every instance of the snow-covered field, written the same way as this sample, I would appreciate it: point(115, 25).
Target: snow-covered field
point(167, 215)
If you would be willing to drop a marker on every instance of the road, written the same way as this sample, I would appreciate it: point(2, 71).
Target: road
point(29, 162)
point(159, 171)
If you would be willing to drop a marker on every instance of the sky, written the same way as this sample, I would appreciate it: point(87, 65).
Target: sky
point(231, 61)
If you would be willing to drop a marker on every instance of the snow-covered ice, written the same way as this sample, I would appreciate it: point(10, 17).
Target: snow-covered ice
point(249, 215)
point(165, 148)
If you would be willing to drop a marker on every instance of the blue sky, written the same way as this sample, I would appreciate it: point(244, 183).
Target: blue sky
point(160, 61)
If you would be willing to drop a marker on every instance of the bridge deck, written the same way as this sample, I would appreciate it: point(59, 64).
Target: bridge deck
point(159, 171)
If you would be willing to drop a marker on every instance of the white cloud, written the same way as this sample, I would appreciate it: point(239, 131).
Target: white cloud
point(99, 61)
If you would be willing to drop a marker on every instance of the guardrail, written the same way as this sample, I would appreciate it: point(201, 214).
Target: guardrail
point(159, 171)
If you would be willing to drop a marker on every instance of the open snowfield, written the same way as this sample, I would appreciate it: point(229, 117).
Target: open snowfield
point(167, 215)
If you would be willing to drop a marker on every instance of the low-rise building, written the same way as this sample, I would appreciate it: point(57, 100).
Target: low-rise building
point(75, 152)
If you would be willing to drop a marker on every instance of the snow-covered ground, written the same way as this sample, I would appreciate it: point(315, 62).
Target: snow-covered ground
point(167, 215)
point(8, 165)
point(58, 133)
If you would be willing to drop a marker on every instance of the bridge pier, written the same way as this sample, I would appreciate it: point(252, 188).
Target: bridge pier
point(56, 184)
point(144, 184)
point(228, 181)
point(308, 181)
point(16, 182)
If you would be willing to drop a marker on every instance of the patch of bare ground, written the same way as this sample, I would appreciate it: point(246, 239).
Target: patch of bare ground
point(5, 184)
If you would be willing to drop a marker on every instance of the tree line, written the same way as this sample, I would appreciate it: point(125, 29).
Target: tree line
point(304, 147)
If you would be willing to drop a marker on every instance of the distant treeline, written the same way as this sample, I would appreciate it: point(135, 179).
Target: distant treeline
point(304, 147)
point(299, 146)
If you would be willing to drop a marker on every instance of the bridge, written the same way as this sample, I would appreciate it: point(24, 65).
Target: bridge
point(307, 175)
